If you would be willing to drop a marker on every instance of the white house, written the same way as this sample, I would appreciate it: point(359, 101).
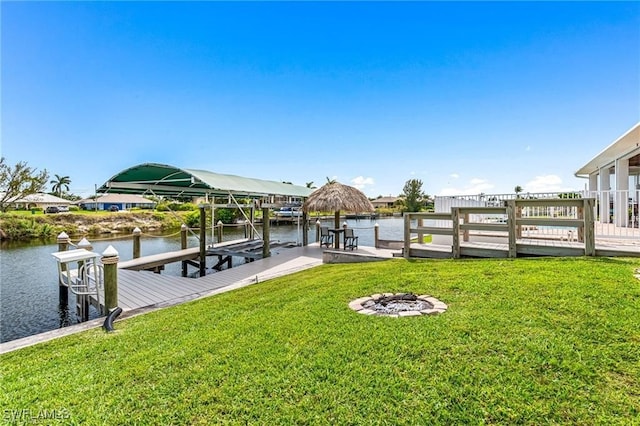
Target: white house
point(40, 199)
point(614, 179)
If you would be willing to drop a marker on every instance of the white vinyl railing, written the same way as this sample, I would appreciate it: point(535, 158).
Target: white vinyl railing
point(616, 213)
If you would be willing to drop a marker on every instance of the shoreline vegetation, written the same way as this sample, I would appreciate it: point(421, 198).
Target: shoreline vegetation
point(21, 225)
point(24, 226)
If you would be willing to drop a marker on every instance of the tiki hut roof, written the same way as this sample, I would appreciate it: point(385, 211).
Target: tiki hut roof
point(335, 196)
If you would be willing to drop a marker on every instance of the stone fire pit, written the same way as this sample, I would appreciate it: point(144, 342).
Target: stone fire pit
point(398, 305)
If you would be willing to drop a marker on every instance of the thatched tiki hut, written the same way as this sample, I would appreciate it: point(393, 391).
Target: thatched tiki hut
point(335, 197)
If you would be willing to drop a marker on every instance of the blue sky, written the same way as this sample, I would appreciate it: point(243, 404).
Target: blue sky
point(469, 97)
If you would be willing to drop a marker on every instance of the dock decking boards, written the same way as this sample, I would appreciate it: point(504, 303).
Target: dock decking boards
point(138, 289)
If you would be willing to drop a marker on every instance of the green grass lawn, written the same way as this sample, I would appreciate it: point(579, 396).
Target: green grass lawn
point(526, 341)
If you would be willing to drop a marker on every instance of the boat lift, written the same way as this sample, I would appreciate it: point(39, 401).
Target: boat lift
point(84, 279)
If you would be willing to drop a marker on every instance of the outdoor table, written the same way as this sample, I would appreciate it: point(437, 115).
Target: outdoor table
point(336, 238)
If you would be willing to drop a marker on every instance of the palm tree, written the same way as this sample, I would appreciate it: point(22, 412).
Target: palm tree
point(517, 190)
point(60, 183)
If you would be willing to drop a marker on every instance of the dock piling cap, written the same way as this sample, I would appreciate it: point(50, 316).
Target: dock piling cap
point(85, 244)
point(110, 251)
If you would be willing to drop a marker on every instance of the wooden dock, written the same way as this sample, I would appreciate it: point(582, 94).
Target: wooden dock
point(502, 234)
point(144, 289)
point(249, 249)
point(524, 248)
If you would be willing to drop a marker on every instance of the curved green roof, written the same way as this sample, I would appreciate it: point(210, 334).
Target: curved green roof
point(162, 179)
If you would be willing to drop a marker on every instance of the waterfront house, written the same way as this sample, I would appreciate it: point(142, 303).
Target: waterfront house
point(614, 179)
point(385, 202)
point(115, 202)
point(40, 200)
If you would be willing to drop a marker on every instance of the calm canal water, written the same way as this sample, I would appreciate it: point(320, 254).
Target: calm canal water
point(29, 282)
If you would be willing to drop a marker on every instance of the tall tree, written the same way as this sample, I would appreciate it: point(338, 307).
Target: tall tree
point(19, 181)
point(413, 195)
point(60, 183)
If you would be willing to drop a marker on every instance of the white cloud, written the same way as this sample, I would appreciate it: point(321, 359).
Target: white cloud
point(545, 183)
point(475, 187)
point(454, 175)
point(361, 182)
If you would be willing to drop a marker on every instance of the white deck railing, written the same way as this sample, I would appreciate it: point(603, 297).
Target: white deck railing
point(615, 212)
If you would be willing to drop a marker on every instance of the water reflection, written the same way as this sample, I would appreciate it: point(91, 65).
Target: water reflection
point(65, 317)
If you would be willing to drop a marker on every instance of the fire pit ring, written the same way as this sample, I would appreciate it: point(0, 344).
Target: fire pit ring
point(398, 305)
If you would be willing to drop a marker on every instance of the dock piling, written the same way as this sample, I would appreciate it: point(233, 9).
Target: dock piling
point(110, 261)
point(203, 240)
point(136, 242)
point(266, 250)
point(183, 245)
point(63, 293)
point(376, 235)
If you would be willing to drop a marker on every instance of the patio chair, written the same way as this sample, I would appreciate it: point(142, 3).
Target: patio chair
point(350, 240)
point(326, 238)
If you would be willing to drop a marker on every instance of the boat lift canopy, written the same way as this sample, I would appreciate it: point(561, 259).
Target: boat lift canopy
point(165, 180)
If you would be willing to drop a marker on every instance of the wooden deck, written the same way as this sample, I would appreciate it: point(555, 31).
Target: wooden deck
point(144, 289)
point(248, 249)
point(524, 247)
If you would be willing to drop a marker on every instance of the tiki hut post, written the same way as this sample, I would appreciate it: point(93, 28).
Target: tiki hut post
point(318, 231)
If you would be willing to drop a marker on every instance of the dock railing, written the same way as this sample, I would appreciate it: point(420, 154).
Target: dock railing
point(516, 219)
point(615, 212)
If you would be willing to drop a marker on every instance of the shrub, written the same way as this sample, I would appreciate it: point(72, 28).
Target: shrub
point(225, 215)
point(192, 219)
point(18, 229)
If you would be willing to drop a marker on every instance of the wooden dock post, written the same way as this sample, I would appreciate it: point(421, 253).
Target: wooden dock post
point(136, 242)
point(203, 240)
point(305, 230)
point(252, 217)
point(465, 232)
point(589, 233)
point(266, 250)
point(110, 261)
point(376, 235)
point(455, 217)
point(581, 217)
point(511, 223)
point(420, 233)
point(518, 215)
point(63, 291)
point(407, 235)
point(219, 226)
point(183, 245)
